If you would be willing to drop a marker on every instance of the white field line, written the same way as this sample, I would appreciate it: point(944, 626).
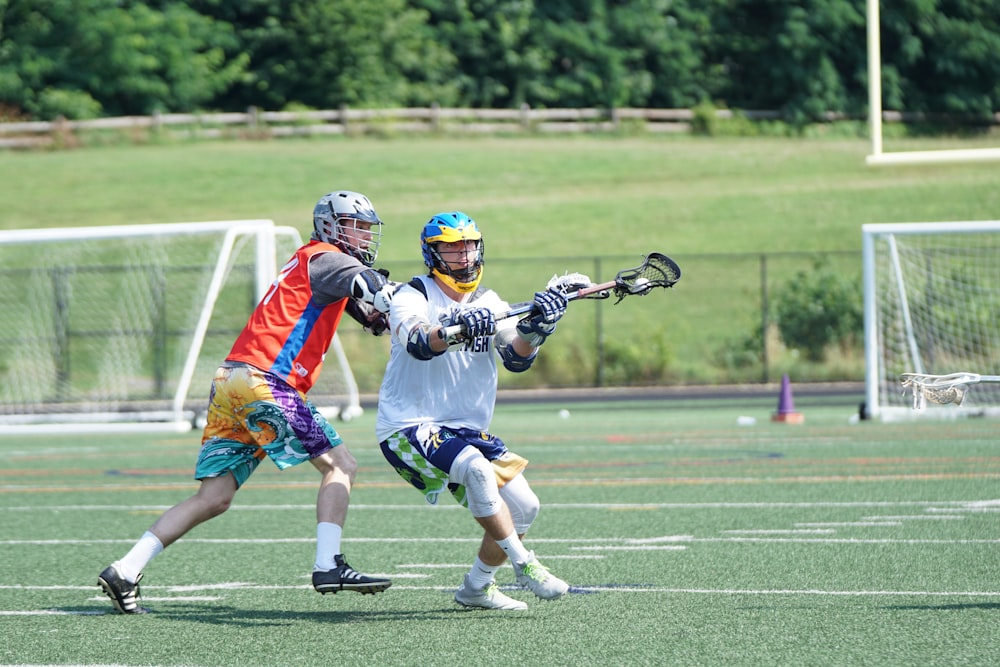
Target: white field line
point(971, 507)
point(312, 539)
point(589, 543)
point(842, 540)
point(631, 547)
point(573, 590)
point(791, 531)
point(849, 524)
point(914, 517)
point(930, 505)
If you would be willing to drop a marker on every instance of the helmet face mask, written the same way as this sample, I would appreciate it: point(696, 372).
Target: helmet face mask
point(348, 220)
point(452, 228)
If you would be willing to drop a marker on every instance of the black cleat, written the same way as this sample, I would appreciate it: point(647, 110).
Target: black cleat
point(124, 595)
point(345, 578)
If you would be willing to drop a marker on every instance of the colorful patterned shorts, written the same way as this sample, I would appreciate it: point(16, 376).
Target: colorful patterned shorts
point(253, 414)
point(423, 455)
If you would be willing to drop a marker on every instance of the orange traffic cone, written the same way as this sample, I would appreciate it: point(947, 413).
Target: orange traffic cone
point(786, 406)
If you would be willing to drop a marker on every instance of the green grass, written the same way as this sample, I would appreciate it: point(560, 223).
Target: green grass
point(534, 197)
point(549, 205)
point(687, 538)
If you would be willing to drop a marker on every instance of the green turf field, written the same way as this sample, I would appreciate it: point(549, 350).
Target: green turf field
point(687, 538)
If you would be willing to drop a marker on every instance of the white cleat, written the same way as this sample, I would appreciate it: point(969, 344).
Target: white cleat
point(536, 577)
point(486, 598)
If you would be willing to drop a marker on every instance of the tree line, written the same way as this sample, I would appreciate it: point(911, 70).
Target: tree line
point(804, 58)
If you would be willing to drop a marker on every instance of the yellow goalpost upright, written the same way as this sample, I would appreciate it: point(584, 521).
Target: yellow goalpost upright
point(877, 156)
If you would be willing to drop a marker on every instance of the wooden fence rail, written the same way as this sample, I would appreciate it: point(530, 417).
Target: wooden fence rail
point(257, 123)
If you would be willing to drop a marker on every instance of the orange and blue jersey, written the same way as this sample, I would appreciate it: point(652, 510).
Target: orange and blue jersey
point(288, 333)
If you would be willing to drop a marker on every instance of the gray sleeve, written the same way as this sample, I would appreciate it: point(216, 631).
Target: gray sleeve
point(331, 274)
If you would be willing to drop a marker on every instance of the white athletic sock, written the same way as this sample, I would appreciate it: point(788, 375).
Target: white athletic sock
point(514, 549)
point(482, 574)
point(327, 544)
point(138, 557)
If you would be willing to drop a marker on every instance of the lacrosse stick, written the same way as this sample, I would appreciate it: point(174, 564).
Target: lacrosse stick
point(656, 270)
point(941, 389)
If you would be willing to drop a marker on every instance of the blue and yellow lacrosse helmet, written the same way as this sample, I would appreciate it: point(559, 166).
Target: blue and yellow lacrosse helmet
point(449, 228)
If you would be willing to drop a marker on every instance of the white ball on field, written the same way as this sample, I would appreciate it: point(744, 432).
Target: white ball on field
point(564, 414)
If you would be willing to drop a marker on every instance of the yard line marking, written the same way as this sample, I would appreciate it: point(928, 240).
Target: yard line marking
point(849, 524)
point(841, 540)
point(232, 508)
point(662, 538)
point(911, 517)
point(971, 508)
point(632, 547)
point(56, 612)
point(604, 588)
point(739, 591)
point(929, 505)
point(594, 588)
point(541, 540)
point(312, 539)
point(574, 557)
point(539, 481)
point(48, 587)
point(795, 531)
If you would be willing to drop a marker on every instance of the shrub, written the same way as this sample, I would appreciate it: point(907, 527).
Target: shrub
point(818, 308)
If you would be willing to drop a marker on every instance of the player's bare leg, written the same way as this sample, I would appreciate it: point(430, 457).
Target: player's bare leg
point(214, 496)
point(331, 572)
point(120, 580)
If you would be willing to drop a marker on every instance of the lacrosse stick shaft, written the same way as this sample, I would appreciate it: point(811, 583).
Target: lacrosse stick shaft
point(525, 308)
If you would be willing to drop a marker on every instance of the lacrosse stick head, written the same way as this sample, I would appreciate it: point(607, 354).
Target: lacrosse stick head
point(657, 270)
point(940, 389)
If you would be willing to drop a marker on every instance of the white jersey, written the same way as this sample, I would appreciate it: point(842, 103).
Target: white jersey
point(457, 388)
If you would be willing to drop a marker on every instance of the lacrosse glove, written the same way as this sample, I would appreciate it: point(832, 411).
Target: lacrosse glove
point(374, 288)
point(549, 306)
point(373, 321)
point(476, 322)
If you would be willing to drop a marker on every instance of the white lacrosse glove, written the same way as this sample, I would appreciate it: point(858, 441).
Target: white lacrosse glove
point(373, 287)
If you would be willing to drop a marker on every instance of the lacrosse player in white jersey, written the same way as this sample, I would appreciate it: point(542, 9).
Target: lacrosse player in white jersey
point(437, 400)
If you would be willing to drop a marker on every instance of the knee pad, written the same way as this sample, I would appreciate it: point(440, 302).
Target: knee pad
point(522, 501)
point(471, 469)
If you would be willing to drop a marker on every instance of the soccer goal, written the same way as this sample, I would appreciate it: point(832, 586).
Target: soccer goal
point(122, 327)
point(931, 306)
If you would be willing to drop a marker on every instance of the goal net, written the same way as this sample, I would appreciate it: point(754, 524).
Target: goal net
point(122, 327)
point(932, 305)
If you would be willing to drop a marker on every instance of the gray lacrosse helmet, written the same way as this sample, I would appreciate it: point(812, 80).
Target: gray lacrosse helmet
point(336, 221)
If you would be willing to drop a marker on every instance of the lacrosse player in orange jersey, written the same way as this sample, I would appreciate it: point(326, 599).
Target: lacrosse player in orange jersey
point(258, 407)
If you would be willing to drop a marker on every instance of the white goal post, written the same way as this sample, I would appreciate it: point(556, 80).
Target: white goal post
point(120, 328)
point(931, 306)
